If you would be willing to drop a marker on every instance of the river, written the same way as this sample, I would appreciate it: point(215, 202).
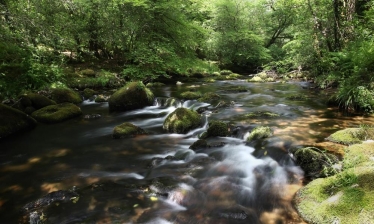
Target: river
point(120, 181)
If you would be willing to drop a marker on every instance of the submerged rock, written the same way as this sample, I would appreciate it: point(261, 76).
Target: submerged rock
point(181, 121)
point(66, 95)
point(13, 121)
point(60, 196)
point(133, 95)
point(127, 130)
point(57, 113)
point(218, 128)
point(351, 136)
point(316, 162)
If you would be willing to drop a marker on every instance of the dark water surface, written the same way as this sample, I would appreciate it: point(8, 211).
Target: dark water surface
point(235, 183)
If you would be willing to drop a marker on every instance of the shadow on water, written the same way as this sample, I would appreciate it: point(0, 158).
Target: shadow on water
point(156, 178)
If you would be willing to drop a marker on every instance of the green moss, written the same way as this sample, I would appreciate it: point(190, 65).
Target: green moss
point(315, 162)
point(233, 76)
point(57, 113)
point(88, 72)
point(101, 98)
point(262, 75)
point(259, 133)
point(127, 130)
point(261, 114)
point(181, 121)
point(217, 128)
point(155, 84)
point(190, 95)
point(351, 136)
point(66, 95)
point(255, 79)
point(39, 101)
point(87, 93)
point(199, 144)
point(225, 72)
point(344, 198)
point(133, 95)
point(358, 155)
point(209, 97)
point(270, 79)
point(13, 121)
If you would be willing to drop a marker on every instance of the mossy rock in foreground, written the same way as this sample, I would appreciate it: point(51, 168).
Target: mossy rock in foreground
point(346, 198)
point(57, 113)
point(218, 128)
point(13, 121)
point(315, 162)
point(359, 155)
point(66, 95)
point(127, 130)
point(181, 121)
point(351, 136)
point(132, 96)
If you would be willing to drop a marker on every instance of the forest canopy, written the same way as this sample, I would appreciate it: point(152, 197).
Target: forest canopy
point(330, 40)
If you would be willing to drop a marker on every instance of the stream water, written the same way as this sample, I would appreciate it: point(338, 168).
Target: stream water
point(156, 178)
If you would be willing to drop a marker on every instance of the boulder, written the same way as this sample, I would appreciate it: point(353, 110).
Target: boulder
point(181, 121)
point(344, 198)
point(189, 95)
point(315, 162)
point(127, 130)
point(132, 96)
point(13, 121)
point(259, 133)
point(87, 93)
point(57, 113)
point(65, 95)
point(37, 101)
point(217, 128)
point(199, 144)
point(351, 136)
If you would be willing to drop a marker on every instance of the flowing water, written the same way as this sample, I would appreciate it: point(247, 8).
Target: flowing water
point(156, 178)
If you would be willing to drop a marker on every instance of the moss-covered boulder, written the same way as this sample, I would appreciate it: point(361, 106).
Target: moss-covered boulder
point(346, 198)
point(133, 95)
point(57, 113)
point(260, 132)
point(127, 130)
point(255, 79)
point(88, 72)
point(13, 121)
point(261, 114)
point(351, 136)
point(359, 155)
point(39, 101)
point(209, 97)
point(315, 162)
point(218, 128)
point(66, 95)
point(181, 121)
point(87, 93)
point(101, 98)
point(199, 144)
point(189, 95)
